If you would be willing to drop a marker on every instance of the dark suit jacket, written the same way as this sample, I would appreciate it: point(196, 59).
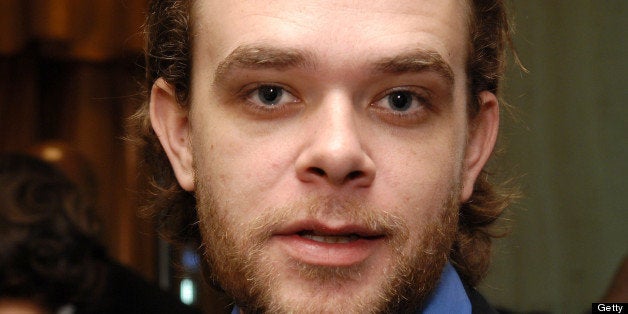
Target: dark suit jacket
point(479, 305)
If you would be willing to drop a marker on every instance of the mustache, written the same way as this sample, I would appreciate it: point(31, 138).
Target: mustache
point(348, 211)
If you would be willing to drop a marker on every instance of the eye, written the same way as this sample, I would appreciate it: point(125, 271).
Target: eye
point(270, 96)
point(400, 101)
point(403, 106)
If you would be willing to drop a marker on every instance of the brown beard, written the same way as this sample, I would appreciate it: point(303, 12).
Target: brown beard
point(234, 254)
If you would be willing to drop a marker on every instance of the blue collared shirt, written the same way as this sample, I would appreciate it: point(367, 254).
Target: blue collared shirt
point(448, 297)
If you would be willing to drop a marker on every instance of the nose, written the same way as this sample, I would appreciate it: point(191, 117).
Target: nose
point(334, 153)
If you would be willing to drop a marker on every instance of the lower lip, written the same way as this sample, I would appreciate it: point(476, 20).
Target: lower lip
point(328, 254)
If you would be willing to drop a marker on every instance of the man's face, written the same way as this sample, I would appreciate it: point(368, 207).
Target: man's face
point(329, 147)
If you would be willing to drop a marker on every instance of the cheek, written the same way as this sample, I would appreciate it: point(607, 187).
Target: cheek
point(423, 185)
point(243, 170)
point(418, 176)
point(423, 159)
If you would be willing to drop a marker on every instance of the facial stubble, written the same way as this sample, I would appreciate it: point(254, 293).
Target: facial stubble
point(235, 255)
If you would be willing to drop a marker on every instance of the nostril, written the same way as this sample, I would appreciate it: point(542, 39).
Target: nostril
point(317, 171)
point(354, 175)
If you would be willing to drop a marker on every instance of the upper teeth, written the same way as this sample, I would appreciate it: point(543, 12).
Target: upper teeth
point(331, 239)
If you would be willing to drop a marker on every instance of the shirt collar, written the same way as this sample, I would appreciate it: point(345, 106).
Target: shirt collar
point(448, 297)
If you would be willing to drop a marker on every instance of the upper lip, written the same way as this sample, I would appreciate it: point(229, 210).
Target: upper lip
point(316, 227)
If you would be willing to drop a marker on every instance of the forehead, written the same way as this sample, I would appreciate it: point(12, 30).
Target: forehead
point(340, 32)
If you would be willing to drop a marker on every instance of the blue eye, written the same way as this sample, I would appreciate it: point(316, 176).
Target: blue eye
point(271, 96)
point(400, 101)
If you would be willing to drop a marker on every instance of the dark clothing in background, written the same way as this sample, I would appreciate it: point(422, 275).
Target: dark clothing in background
point(128, 292)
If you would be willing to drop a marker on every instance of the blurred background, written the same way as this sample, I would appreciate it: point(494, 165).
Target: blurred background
point(71, 72)
point(569, 148)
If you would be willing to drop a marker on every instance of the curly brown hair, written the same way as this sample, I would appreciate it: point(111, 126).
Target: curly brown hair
point(168, 55)
point(48, 236)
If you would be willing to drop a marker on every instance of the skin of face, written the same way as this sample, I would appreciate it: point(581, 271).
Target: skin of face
point(329, 146)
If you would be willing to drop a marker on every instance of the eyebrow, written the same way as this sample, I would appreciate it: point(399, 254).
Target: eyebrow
point(417, 61)
point(267, 57)
point(262, 57)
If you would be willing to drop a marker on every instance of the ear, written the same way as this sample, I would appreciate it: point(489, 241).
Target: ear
point(170, 122)
point(483, 131)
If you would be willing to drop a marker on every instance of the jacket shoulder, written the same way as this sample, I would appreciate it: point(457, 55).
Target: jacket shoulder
point(479, 305)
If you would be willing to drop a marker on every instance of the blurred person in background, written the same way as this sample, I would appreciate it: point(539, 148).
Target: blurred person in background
point(51, 260)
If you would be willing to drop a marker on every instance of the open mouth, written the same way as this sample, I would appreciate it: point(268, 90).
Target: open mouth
point(335, 244)
point(337, 248)
point(333, 238)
